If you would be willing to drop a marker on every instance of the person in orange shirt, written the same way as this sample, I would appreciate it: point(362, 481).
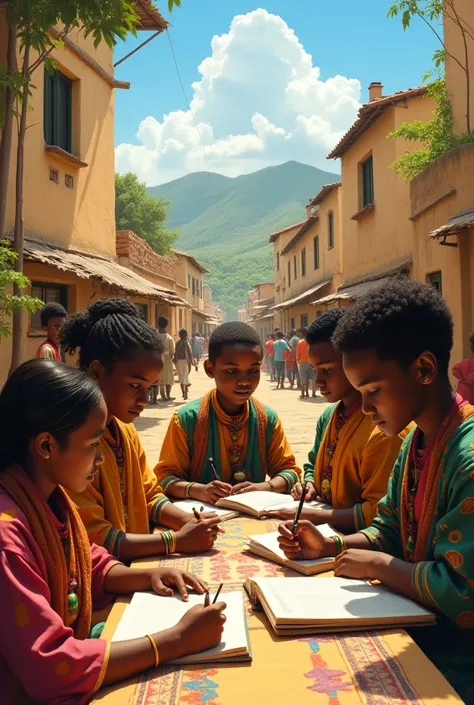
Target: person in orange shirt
point(307, 375)
point(464, 373)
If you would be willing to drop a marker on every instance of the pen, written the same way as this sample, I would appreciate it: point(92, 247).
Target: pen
point(211, 463)
point(207, 600)
point(196, 513)
point(217, 593)
point(299, 510)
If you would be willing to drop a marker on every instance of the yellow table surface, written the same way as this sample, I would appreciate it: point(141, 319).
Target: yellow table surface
point(367, 668)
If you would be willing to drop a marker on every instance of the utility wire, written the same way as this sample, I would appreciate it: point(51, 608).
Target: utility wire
point(186, 99)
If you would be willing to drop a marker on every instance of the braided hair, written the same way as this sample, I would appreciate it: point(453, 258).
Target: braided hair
point(108, 330)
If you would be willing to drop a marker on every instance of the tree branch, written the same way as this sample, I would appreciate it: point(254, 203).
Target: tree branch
point(44, 55)
point(454, 58)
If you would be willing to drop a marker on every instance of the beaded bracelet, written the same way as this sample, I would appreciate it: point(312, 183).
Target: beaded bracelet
point(340, 543)
point(155, 649)
point(188, 490)
point(169, 539)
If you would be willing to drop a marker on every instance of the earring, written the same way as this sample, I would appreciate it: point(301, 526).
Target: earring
point(425, 380)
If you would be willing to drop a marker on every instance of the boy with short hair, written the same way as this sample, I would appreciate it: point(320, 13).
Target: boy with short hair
point(396, 345)
point(280, 347)
point(244, 438)
point(306, 372)
point(53, 317)
point(350, 463)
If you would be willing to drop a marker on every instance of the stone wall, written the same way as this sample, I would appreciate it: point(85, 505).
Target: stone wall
point(134, 249)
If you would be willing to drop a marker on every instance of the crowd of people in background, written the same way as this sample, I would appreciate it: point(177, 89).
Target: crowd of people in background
point(286, 357)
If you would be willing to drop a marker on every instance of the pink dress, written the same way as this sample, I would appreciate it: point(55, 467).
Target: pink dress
point(464, 372)
point(51, 664)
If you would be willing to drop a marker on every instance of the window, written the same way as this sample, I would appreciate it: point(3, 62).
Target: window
point(330, 230)
point(289, 273)
point(303, 262)
point(292, 323)
point(278, 261)
point(367, 182)
point(435, 280)
point(295, 267)
point(304, 320)
point(48, 293)
point(316, 251)
point(143, 309)
point(189, 281)
point(57, 115)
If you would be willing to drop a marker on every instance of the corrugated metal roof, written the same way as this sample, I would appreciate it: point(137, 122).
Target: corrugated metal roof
point(457, 223)
point(86, 266)
point(304, 295)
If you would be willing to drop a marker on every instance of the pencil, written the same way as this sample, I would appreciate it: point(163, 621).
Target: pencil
point(207, 600)
point(300, 509)
point(196, 514)
point(211, 463)
point(217, 593)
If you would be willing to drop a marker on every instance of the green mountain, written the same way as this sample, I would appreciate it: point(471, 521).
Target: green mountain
point(226, 222)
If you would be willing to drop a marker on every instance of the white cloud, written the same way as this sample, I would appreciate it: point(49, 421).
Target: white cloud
point(260, 101)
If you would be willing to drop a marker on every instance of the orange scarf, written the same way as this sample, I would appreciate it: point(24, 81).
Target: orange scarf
point(15, 483)
point(430, 498)
point(201, 432)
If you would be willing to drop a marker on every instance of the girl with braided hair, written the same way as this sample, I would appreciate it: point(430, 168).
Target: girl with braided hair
point(124, 355)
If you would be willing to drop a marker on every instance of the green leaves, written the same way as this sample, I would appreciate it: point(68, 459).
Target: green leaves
point(172, 3)
point(146, 216)
point(9, 277)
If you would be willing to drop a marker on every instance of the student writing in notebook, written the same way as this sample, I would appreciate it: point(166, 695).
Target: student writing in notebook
point(244, 438)
point(350, 462)
point(51, 577)
point(396, 345)
point(125, 356)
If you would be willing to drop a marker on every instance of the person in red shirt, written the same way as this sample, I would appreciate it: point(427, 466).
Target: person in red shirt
point(53, 317)
point(464, 373)
point(269, 355)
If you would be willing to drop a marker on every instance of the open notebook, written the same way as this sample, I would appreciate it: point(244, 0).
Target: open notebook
point(187, 506)
point(266, 546)
point(148, 613)
point(258, 504)
point(296, 606)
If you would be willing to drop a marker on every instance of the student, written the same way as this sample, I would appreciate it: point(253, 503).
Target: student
point(51, 578)
point(245, 439)
point(279, 347)
point(293, 342)
point(269, 355)
point(464, 373)
point(196, 348)
point(306, 372)
point(396, 344)
point(350, 463)
point(53, 317)
point(167, 375)
point(183, 360)
point(125, 356)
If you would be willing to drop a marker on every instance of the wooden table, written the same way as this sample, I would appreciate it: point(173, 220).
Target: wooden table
point(367, 668)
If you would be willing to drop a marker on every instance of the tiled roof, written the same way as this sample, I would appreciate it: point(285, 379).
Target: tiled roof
point(368, 114)
point(324, 193)
point(150, 17)
point(312, 220)
point(193, 260)
point(274, 235)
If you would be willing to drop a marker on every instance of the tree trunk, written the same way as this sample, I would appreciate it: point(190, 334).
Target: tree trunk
point(17, 327)
point(7, 131)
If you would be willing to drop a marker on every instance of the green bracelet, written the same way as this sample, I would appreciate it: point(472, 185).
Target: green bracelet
point(340, 543)
point(169, 539)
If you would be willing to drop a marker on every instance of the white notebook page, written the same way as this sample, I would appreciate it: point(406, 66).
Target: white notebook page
point(148, 613)
point(333, 599)
point(261, 500)
point(187, 506)
point(270, 542)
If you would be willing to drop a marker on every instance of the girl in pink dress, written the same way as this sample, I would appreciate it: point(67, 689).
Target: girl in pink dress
point(51, 578)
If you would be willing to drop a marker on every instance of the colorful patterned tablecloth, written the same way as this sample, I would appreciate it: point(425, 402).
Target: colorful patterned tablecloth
point(367, 668)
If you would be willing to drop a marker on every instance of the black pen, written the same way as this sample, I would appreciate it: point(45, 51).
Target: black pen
point(217, 593)
point(300, 509)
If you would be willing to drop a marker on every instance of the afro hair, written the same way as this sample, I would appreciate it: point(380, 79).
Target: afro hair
point(52, 310)
point(400, 320)
point(322, 330)
point(231, 333)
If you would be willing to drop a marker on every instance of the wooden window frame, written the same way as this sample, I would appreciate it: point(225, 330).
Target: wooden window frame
point(316, 259)
point(367, 182)
point(330, 230)
point(303, 262)
point(57, 110)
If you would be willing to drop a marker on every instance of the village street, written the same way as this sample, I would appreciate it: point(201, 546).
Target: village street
point(298, 416)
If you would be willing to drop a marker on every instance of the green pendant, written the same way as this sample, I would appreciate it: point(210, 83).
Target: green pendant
point(72, 603)
point(239, 476)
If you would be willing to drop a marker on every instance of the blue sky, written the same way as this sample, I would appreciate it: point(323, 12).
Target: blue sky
point(242, 129)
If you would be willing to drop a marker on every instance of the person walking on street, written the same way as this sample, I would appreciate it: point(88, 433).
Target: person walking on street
point(279, 347)
point(293, 342)
point(183, 360)
point(269, 356)
point(196, 350)
point(167, 376)
point(305, 370)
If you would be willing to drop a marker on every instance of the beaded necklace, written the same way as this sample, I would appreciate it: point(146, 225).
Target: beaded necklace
point(342, 417)
point(235, 451)
point(116, 446)
point(415, 469)
point(72, 597)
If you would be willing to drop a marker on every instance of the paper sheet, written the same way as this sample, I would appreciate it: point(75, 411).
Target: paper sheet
point(187, 506)
point(270, 542)
point(148, 613)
